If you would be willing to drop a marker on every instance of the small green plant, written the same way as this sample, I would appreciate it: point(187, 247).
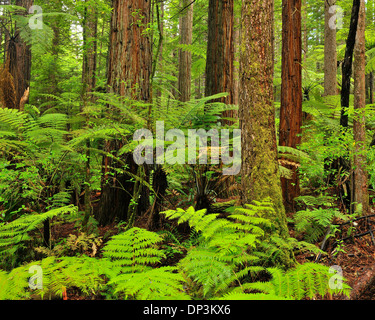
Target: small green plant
point(340, 245)
point(313, 223)
point(83, 244)
point(16, 234)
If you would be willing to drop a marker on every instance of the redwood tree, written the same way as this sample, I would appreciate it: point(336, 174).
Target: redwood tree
point(129, 71)
point(18, 59)
point(185, 56)
point(220, 50)
point(90, 28)
point(291, 93)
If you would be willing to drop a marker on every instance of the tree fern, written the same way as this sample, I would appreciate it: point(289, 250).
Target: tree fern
point(13, 235)
point(313, 223)
point(154, 284)
point(305, 281)
point(134, 250)
point(224, 255)
point(58, 275)
point(134, 256)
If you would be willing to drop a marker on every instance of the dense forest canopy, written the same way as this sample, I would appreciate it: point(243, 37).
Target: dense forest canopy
point(187, 149)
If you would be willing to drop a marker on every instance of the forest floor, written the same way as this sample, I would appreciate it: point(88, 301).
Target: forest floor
point(356, 258)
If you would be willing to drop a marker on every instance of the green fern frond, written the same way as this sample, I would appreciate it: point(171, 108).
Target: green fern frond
point(305, 281)
point(58, 274)
point(155, 284)
point(314, 222)
point(15, 233)
point(134, 250)
point(205, 267)
point(251, 296)
point(292, 154)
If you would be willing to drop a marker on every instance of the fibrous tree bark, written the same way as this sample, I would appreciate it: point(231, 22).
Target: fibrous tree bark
point(130, 57)
point(291, 93)
point(185, 56)
point(18, 60)
point(90, 29)
point(260, 174)
point(360, 174)
point(129, 71)
point(220, 50)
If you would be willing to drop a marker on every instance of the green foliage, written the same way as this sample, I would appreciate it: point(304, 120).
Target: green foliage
point(305, 281)
point(14, 235)
point(86, 244)
point(313, 223)
point(163, 283)
point(59, 274)
point(134, 250)
point(231, 251)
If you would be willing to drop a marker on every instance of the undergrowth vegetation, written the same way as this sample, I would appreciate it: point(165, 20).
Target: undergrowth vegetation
point(78, 216)
point(231, 258)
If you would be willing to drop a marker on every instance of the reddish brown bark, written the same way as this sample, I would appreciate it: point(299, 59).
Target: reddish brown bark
point(18, 60)
point(185, 56)
point(129, 66)
point(90, 29)
point(291, 93)
point(129, 71)
point(220, 51)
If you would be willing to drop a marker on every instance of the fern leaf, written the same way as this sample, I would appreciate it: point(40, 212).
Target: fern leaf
point(134, 250)
point(156, 284)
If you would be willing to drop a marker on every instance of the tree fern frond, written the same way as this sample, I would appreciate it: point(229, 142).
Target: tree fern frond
point(305, 281)
point(134, 250)
point(155, 284)
point(15, 233)
point(251, 296)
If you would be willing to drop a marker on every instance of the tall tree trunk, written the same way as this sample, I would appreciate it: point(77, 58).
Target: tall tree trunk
point(219, 76)
point(129, 71)
point(260, 168)
point(305, 36)
point(347, 65)
point(185, 56)
point(330, 53)
point(344, 189)
point(18, 59)
point(360, 179)
point(220, 50)
point(236, 40)
point(90, 30)
point(291, 93)
point(130, 58)
point(161, 27)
